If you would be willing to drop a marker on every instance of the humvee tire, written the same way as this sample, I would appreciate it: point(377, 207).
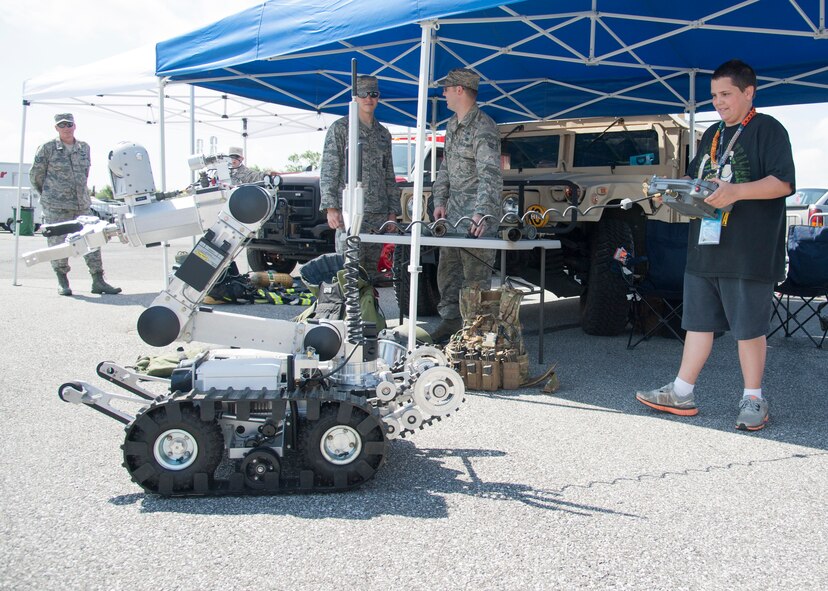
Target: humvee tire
point(604, 305)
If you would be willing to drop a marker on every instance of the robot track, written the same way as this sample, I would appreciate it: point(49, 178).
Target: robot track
point(175, 445)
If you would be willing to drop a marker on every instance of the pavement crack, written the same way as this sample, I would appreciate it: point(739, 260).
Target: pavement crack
point(687, 472)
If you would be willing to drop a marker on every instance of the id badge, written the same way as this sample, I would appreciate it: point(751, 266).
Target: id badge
point(711, 230)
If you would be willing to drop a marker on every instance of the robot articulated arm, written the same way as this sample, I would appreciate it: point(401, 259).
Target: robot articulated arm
point(145, 218)
point(144, 225)
point(176, 313)
point(225, 217)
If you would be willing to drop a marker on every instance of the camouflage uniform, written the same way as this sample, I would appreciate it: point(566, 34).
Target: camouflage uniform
point(59, 174)
point(241, 175)
point(469, 182)
point(380, 193)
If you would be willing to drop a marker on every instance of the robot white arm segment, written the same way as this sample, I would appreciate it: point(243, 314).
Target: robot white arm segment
point(352, 194)
point(171, 312)
point(246, 332)
point(147, 224)
point(176, 313)
point(145, 218)
point(83, 393)
point(92, 236)
point(173, 218)
point(353, 205)
point(266, 334)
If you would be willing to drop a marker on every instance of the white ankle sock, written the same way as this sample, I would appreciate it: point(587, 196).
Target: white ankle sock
point(748, 392)
point(682, 388)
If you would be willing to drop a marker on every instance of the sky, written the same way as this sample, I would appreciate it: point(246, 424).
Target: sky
point(39, 36)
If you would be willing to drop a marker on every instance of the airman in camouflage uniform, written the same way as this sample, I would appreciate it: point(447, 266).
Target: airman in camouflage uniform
point(239, 173)
point(59, 174)
point(381, 197)
point(469, 183)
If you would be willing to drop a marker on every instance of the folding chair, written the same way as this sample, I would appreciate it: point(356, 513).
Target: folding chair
point(659, 292)
point(806, 281)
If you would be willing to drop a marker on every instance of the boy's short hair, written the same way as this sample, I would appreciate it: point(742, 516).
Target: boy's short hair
point(739, 72)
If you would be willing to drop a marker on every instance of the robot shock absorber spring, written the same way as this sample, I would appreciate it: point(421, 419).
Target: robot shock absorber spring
point(353, 314)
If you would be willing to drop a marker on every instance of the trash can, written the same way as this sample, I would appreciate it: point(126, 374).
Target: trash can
point(26, 220)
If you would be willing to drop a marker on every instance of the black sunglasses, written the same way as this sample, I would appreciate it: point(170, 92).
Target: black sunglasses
point(64, 124)
point(367, 94)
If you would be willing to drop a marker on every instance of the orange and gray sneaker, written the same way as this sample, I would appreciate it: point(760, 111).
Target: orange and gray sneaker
point(753, 413)
point(665, 399)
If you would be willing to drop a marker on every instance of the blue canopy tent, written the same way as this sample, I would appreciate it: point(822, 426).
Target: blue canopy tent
point(538, 59)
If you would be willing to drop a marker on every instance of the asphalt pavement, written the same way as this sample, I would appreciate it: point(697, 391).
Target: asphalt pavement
point(580, 489)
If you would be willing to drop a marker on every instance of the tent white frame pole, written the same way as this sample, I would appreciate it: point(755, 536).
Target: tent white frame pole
point(165, 257)
point(419, 151)
point(433, 139)
point(408, 158)
point(353, 164)
point(193, 142)
point(692, 103)
point(162, 133)
point(192, 128)
point(19, 192)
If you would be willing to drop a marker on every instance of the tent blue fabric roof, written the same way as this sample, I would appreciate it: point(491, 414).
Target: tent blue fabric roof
point(538, 59)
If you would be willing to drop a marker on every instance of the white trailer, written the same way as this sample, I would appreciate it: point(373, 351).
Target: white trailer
point(8, 195)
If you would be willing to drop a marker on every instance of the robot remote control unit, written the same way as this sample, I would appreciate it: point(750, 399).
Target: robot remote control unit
point(686, 196)
point(283, 407)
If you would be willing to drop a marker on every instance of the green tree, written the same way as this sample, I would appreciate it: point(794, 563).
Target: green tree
point(105, 194)
point(303, 161)
point(258, 168)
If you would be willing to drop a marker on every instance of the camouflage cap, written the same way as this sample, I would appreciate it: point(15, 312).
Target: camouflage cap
point(367, 84)
point(461, 77)
point(61, 117)
point(235, 151)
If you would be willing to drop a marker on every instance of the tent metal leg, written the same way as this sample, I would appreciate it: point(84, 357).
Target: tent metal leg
point(19, 192)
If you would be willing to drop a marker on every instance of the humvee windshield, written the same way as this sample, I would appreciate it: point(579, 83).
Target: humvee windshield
point(616, 148)
point(532, 152)
point(608, 148)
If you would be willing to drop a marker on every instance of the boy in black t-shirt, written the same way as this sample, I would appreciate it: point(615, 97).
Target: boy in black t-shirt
point(734, 261)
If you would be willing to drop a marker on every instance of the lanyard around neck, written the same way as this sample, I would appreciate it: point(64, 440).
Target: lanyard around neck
point(716, 160)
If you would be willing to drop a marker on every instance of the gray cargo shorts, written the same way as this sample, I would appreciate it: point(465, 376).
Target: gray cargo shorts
point(715, 304)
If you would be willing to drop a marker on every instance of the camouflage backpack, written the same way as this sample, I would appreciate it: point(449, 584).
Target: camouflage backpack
point(489, 352)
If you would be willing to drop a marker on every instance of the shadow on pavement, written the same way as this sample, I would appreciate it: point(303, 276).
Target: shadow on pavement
point(413, 483)
point(121, 299)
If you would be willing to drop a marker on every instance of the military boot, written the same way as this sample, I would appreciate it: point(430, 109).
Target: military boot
point(101, 286)
point(444, 330)
point(63, 282)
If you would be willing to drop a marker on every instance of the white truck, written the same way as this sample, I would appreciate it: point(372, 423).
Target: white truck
point(8, 195)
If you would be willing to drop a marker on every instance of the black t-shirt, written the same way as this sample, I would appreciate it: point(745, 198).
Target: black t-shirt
point(752, 242)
